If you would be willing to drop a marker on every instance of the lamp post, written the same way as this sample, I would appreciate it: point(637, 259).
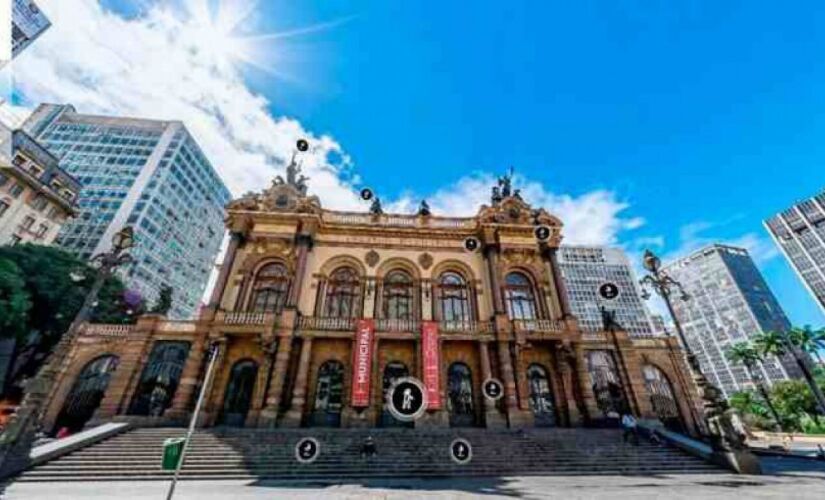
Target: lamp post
point(726, 433)
point(16, 442)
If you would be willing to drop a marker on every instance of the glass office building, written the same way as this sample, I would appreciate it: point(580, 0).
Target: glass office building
point(584, 269)
point(729, 303)
point(27, 23)
point(148, 174)
point(800, 233)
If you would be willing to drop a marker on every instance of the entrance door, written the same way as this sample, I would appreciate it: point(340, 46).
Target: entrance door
point(86, 393)
point(392, 372)
point(328, 395)
point(662, 398)
point(541, 396)
point(460, 392)
point(239, 390)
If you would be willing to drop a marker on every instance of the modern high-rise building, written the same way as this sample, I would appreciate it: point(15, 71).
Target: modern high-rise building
point(729, 303)
point(800, 232)
point(27, 23)
point(584, 270)
point(150, 175)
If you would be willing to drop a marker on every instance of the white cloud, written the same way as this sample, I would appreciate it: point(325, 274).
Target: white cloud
point(153, 67)
point(593, 218)
point(698, 234)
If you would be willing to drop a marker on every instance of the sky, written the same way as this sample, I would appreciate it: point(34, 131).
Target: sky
point(642, 124)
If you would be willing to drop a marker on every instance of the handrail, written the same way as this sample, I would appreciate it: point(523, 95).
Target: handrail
point(326, 324)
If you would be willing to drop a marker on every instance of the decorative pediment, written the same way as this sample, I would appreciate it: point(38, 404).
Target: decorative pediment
point(280, 197)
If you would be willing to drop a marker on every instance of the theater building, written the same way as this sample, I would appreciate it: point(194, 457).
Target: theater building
point(316, 312)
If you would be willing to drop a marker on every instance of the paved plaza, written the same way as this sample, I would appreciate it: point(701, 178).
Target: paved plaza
point(793, 485)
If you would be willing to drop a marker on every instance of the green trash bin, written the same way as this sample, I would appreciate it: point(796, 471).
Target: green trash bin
point(172, 450)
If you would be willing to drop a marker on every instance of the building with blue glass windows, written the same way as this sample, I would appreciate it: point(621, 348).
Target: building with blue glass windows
point(151, 175)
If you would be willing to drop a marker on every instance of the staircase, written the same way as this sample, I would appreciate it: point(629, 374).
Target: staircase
point(269, 454)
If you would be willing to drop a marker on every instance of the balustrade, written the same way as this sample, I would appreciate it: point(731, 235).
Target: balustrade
point(327, 324)
point(538, 325)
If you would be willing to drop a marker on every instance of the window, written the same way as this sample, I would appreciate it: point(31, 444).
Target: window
point(39, 202)
point(27, 222)
point(16, 190)
point(3, 207)
point(15, 239)
point(3, 179)
point(398, 295)
point(343, 294)
point(518, 293)
point(42, 230)
point(453, 300)
point(271, 288)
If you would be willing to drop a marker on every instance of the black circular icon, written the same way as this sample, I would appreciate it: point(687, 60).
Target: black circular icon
point(492, 389)
point(366, 194)
point(307, 450)
point(408, 399)
point(302, 145)
point(471, 244)
point(608, 291)
point(542, 233)
point(461, 451)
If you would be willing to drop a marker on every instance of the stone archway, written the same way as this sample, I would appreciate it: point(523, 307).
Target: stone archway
point(239, 391)
point(86, 393)
point(460, 396)
point(542, 403)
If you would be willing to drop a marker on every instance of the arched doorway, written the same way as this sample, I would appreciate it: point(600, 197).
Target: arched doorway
point(541, 396)
point(86, 393)
point(238, 395)
point(159, 379)
point(392, 372)
point(607, 386)
point(460, 396)
point(662, 398)
point(329, 391)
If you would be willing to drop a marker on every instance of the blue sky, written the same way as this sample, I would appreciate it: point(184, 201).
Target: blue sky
point(685, 122)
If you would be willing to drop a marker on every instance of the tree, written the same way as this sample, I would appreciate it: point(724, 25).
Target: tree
point(164, 302)
point(56, 282)
point(794, 402)
point(15, 301)
point(808, 340)
point(746, 354)
point(752, 408)
point(778, 344)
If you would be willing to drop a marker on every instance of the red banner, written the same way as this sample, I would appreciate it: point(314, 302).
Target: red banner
point(362, 363)
point(430, 355)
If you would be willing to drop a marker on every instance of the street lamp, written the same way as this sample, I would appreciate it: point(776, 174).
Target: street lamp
point(16, 442)
point(723, 424)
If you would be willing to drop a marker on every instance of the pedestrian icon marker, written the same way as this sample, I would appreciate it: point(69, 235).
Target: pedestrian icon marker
point(608, 291)
point(307, 450)
point(366, 194)
point(461, 451)
point(471, 244)
point(492, 389)
point(408, 399)
point(302, 145)
point(542, 233)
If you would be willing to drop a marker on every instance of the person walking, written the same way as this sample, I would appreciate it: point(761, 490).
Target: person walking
point(630, 429)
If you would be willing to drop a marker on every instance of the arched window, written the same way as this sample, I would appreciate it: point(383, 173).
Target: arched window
point(160, 378)
point(343, 295)
point(541, 396)
point(607, 386)
point(86, 393)
point(662, 398)
point(270, 289)
point(520, 297)
point(398, 297)
point(239, 390)
point(329, 390)
point(453, 299)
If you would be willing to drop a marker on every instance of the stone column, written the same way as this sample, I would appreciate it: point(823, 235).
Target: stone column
point(491, 256)
point(304, 244)
point(566, 361)
point(211, 403)
point(226, 269)
point(182, 404)
point(558, 281)
point(492, 417)
point(294, 416)
point(269, 413)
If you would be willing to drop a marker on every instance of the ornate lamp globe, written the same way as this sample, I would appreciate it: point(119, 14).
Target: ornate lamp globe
point(651, 261)
point(124, 239)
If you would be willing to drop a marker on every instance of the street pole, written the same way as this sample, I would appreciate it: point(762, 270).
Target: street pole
point(18, 438)
point(213, 356)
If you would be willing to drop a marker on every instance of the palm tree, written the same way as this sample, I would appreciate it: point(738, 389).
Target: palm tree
point(746, 354)
point(808, 340)
point(778, 344)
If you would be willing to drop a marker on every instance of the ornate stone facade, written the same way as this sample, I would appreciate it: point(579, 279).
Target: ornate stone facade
point(296, 282)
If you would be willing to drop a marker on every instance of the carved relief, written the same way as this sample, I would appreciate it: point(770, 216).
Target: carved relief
point(425, 260)
point(372, 258)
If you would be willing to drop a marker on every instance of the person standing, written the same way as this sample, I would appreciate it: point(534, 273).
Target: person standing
point(630, 428)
